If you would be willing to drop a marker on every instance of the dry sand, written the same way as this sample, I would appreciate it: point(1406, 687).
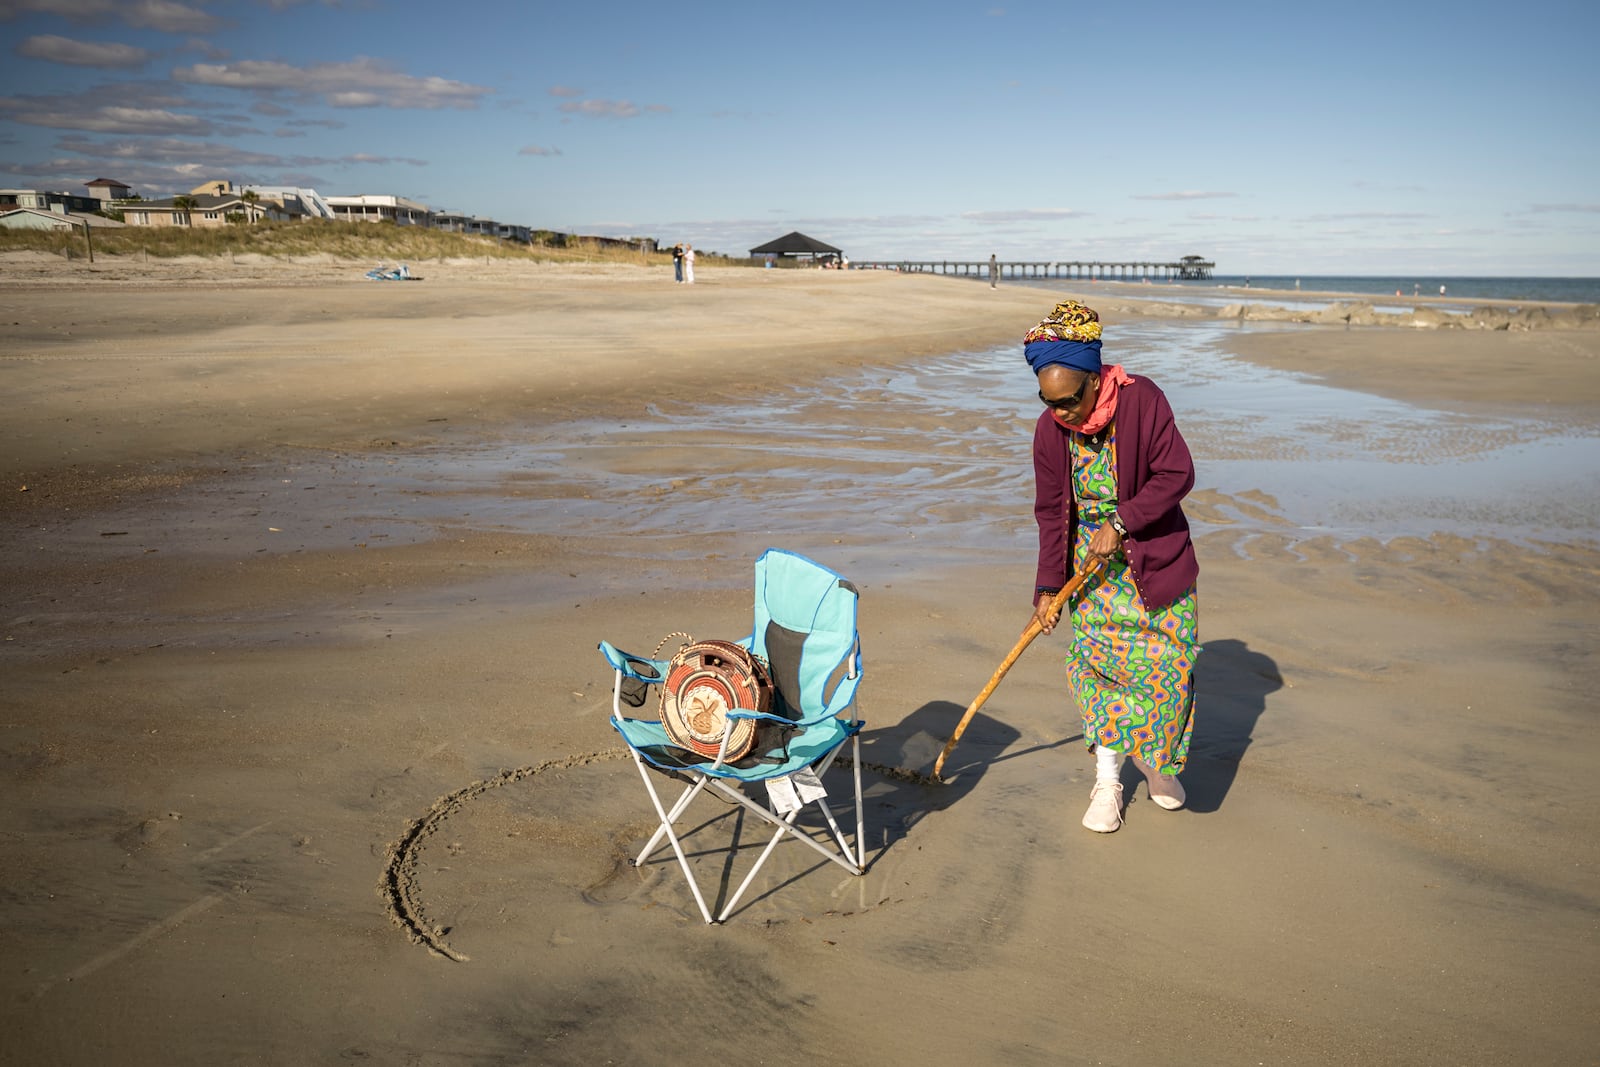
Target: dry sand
point(229, 692)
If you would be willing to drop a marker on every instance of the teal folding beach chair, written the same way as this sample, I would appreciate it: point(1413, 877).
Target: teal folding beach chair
point(805, 630)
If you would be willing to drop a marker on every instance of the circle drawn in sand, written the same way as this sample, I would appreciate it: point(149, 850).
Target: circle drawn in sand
point(399, 886)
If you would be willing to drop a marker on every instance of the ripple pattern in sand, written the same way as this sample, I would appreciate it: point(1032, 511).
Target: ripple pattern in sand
point(938, 451)
point(933, 457)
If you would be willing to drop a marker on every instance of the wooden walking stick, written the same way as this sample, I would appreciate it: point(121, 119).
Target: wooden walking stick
point(1034, 630)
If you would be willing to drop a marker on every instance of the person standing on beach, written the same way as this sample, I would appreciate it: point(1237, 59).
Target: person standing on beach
point(994, 270)
point(1110, 471)
point(677, 263)
point(688, 264)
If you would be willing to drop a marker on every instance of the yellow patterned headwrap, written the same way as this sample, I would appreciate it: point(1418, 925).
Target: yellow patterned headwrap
point(1070, 321)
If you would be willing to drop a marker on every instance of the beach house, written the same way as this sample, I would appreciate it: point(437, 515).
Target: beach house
point(297, 203)
point(380, 207)
point(47, 200)
point(57, 218)
point(200, 209)
point(107, 191)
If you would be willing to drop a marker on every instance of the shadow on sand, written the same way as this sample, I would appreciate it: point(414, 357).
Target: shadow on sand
point(898, 759)
point(1232, 684)
point(897, 786)
point(1231, 687)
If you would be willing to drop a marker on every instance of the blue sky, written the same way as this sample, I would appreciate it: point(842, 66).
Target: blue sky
point(1351, 138)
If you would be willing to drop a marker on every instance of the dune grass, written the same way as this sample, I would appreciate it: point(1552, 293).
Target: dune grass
point(360, 241)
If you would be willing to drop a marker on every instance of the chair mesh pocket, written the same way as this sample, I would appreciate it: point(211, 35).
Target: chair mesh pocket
point(633, 692)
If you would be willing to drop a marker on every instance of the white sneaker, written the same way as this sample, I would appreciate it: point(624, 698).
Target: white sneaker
point(1165, 789)
point(1105, 807)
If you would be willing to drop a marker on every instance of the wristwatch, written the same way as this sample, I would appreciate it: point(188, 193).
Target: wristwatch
point(1116, 524)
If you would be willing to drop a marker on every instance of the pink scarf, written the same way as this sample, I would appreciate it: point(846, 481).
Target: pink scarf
point(1112, 378)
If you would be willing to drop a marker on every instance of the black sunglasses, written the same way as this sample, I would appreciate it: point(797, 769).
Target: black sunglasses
point(1066, 403)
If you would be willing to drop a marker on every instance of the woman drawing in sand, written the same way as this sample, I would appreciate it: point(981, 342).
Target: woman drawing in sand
point(1110, 470)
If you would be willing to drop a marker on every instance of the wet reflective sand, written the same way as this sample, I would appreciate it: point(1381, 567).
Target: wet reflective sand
point(931, 460)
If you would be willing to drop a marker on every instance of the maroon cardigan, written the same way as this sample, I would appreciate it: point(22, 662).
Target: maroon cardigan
point(1154, 472)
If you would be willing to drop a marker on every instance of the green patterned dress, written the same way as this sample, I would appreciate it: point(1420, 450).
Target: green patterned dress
point(1131, 671)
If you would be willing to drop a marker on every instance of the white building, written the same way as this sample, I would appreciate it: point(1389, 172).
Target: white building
point(298, 203)
point(374, 207)
point(452, 222)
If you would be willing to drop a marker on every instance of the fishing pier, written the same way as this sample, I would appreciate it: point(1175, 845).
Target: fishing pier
point(1186, 269)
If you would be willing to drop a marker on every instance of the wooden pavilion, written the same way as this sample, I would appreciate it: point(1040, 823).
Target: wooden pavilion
point(796, 245)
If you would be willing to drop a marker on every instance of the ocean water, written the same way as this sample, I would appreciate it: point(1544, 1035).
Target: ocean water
point(1533, 290)
point(1466, 290)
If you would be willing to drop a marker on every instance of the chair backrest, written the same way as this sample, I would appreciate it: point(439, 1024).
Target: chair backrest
point(805, 628)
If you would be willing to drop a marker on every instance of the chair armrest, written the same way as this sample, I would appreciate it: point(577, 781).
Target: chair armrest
point(647, 670)
point(845, 693)
point(749, 713)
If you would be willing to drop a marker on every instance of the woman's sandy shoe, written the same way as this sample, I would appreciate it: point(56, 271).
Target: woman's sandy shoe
point(1165, 789)
point(1105, 807)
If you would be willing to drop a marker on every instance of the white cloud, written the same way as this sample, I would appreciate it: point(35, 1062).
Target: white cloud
point(1588, 209)
point(149, 182)
point(164, 15)
point(177, 151)
point(159, 167)
point(167, 16)
point(366, 157)
point(73, 53)
point(105, 118)
point(169, 151)
point(565, 91)
point(1186, 195)
point(1346, 216)
point(360, 82)
point(355, 98)
point(538, 150)
point(1045, 214)
point(611, 109)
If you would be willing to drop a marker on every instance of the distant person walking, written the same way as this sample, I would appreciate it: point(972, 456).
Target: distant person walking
point(677, 263)
point(688, 264)
point(994, 270)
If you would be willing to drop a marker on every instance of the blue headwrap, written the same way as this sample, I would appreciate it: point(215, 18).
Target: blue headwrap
point(1079, 355)
point(1070, 337)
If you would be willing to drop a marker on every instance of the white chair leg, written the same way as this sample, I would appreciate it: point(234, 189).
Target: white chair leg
point(838, 834)
point(861, 819)
point(851, 859)
point(666, 826)
point(677, 809)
